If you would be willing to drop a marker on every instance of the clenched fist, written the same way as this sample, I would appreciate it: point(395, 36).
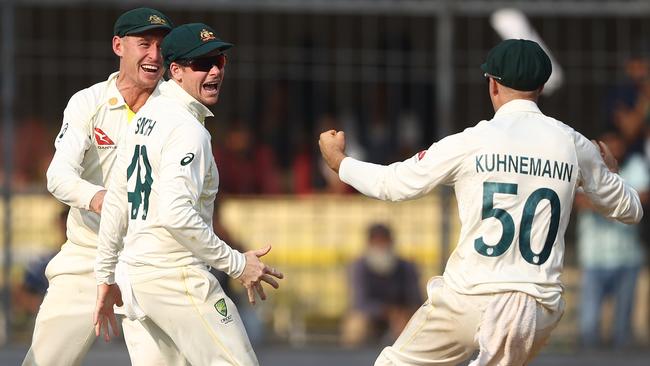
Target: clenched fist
point(332, 146)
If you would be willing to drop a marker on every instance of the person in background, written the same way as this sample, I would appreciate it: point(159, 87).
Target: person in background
point(385, 292)
point(610, 254)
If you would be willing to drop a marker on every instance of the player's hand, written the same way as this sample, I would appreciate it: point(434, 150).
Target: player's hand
point(332, 146)
point(255, 272)
point(97, 202)
point(107, 297)
point(607, 156)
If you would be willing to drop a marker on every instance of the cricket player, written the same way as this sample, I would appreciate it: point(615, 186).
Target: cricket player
point(515, 177)
point(162, 197)
point(94, 123)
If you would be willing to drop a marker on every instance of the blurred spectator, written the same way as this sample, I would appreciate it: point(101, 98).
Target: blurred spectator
point(385, 292)
point(272, 127)
point(379, 137)
point(246, 167)
point(33, 150)
point(409, 134)
point(628, 105)
point(610, 254)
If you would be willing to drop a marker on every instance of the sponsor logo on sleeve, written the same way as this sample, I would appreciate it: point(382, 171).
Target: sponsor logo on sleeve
point(421, 155)
point(187, 159)
point(63, 130)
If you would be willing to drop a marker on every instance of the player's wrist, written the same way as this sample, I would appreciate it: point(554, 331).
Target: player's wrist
point(335, 160)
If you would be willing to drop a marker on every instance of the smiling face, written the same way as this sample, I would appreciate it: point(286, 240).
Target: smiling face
point(201, 77)
point(140, 58)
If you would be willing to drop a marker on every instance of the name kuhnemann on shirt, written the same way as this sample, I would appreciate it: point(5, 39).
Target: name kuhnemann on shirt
point(524, 165)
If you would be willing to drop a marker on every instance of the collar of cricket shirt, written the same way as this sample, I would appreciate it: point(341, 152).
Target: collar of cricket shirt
point(113, 97)
point(198, 110)
point(518, 105)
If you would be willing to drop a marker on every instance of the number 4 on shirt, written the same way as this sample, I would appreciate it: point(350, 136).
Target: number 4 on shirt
point(142, 190)
point(488, 211)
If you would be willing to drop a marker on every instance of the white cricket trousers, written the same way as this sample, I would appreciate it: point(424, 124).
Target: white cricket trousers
point(444, 331)
point(187, 305)
point(64, 330)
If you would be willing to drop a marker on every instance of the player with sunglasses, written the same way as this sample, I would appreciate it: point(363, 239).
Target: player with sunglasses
point(204, 64)
point(162, 199)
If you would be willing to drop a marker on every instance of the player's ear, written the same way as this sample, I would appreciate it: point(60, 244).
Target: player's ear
point(176, 72)
point(117, 45)
point(494, 87)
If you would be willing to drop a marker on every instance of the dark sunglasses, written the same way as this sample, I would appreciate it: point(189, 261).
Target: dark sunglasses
point(205, 64)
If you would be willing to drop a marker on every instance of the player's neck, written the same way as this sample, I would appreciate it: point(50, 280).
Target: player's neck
point(497, 103)
point(134, 95)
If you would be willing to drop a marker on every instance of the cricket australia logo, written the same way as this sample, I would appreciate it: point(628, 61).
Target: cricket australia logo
point(222, 309)
point(154, 19)
point(206, 35)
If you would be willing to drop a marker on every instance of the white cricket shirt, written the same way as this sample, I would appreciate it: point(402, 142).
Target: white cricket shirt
point(163, 189)
point(515, 178)
point(94, 122)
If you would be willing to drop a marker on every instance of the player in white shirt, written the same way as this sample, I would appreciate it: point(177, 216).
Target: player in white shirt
point(94, 122)
point(515, 177)
point(162, 197)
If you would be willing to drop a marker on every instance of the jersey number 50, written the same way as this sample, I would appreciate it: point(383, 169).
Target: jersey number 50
point(142, 188)
point(488, 211)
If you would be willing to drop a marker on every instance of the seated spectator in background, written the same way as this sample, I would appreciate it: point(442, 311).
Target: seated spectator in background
point(385, 292)
point(610, 254)
point(246, 167)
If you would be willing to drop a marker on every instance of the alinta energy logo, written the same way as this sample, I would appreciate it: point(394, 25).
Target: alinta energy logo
point(102, 139)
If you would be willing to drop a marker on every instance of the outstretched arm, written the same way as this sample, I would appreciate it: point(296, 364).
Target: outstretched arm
point(399, 181)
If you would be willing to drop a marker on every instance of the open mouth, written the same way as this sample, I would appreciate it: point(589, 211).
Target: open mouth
point(211, 86)
point(150, 68)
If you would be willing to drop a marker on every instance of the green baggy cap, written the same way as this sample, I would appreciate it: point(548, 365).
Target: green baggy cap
point(518, 64)
point(140, 20)
point(190, 41)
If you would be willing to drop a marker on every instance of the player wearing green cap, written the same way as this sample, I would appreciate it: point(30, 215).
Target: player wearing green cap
point(94, 123)
point(515, 177)
point(161, 203)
